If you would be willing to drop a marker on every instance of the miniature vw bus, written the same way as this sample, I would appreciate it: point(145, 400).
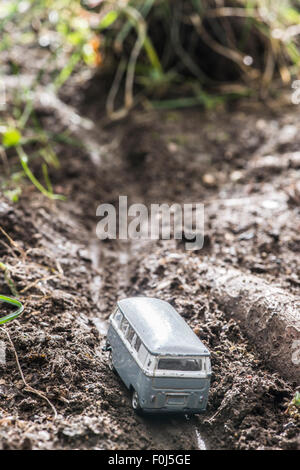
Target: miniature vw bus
point(159, 358)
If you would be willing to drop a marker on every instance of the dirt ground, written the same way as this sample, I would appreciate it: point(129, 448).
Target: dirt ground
point(243, 164)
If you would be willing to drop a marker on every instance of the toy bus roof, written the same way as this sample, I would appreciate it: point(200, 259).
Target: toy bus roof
point(160, 327)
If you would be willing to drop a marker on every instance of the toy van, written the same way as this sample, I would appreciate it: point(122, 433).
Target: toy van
point(158, 356)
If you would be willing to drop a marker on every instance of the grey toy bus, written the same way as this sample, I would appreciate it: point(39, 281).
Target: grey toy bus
point(158, 356)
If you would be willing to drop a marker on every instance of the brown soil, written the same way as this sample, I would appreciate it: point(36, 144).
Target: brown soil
point(69, 280)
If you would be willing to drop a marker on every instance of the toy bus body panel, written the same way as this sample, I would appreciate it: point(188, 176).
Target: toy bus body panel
point(122, 359)
point(142, 332)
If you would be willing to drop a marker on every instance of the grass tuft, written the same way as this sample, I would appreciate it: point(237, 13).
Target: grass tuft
point(161, 54)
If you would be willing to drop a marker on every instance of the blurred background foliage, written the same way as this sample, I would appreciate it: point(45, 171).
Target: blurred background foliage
point(163, 54)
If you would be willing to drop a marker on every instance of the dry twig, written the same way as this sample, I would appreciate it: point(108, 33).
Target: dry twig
point(28, 387)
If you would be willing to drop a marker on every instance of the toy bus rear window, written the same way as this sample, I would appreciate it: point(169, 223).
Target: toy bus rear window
point(190, 364)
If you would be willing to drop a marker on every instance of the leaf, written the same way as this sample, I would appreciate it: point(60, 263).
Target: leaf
point(13, 194)
point(24, 162)
point(291, 15)
point(293, 52)
point(152, 55)
point(11, 137)
point(67, 70)
point(108, 19)
point(75, 38)
point(296, 400)
point(13, 315)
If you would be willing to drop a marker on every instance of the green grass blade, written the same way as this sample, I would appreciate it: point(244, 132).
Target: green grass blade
point(24, 162)
point(13, 315)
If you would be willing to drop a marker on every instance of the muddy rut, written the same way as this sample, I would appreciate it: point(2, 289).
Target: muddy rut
point(70, 281)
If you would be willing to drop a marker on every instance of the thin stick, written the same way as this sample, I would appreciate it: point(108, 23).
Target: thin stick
point(139, 21)
point(34, 283)
point(114, 90)
point(12, 242)
point(28, 388)
point(228, 11)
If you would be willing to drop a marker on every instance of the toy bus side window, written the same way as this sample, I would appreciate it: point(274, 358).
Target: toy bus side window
point(139, 348)
point(124, 326)
point(142, 354)
point(136, 343)
point(130, 334)
point(117, 316)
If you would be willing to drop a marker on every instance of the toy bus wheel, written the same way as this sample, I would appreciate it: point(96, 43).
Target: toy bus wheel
point(135, 401)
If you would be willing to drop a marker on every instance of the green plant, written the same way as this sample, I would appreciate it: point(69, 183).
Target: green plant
point(296, 400)
point(13, 315)
point(8, 279)
point(293, 408)
point(200, 51)
point(24, 142)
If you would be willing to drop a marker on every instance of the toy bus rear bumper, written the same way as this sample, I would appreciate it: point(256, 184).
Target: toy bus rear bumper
point(171, 401)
